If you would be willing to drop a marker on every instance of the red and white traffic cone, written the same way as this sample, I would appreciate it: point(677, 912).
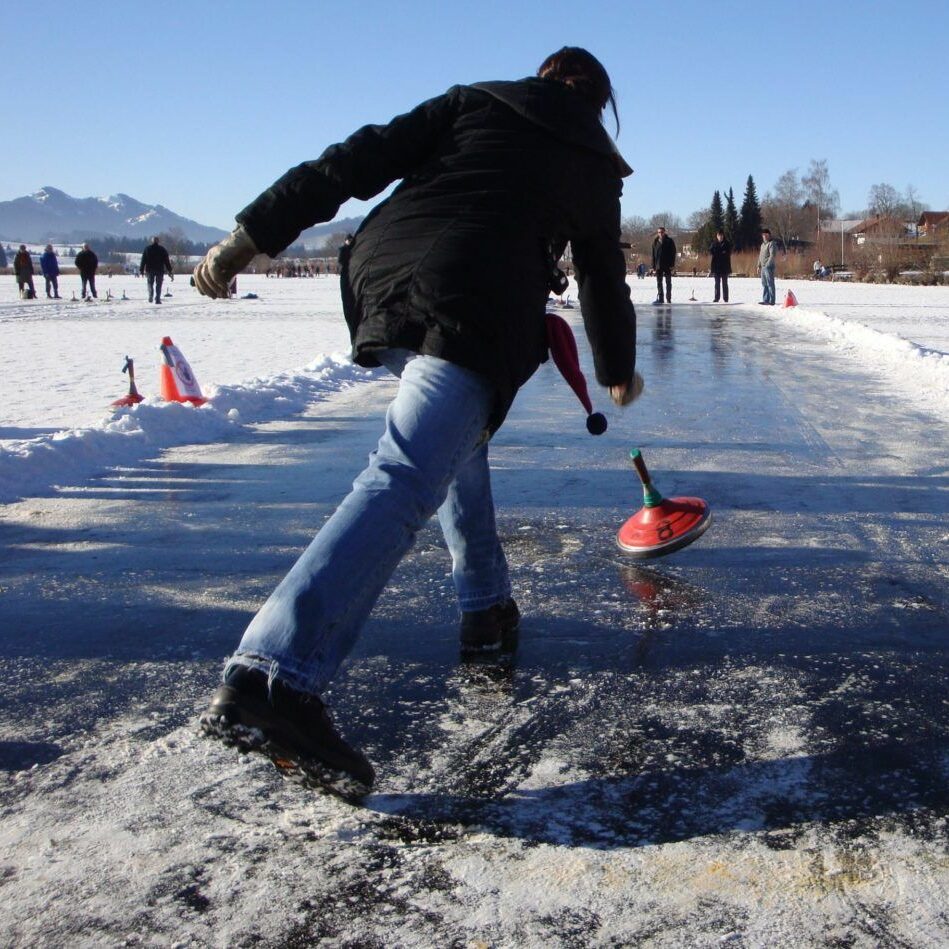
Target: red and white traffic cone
point(177, 381)
point(790, 299)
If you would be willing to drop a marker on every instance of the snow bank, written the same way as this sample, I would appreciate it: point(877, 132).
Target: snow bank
point(926, 370)
point(31, 466)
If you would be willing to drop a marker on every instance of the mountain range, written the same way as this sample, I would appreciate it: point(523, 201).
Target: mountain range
point(52, 215)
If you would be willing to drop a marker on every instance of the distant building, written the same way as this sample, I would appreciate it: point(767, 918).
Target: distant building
point(882, 229)
point(933, 225)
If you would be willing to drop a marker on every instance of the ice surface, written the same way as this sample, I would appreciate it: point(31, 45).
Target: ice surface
point(745, 744)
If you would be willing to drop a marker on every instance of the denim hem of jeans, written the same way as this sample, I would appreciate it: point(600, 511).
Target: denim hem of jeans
point(270, 667)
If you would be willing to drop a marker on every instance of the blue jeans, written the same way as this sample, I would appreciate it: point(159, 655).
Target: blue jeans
point(432, 456)
point(155, 281)
point(767, 284)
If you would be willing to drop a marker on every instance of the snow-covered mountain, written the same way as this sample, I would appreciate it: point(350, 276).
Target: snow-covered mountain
point(317, 235)
point(51, 214)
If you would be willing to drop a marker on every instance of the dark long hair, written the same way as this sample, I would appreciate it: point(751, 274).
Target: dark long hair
point(583, 72)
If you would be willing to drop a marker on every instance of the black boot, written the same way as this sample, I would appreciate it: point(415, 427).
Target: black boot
point(490, 631)
point(290, 727)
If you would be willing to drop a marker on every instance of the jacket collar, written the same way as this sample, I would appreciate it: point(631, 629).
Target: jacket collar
point(557, 108)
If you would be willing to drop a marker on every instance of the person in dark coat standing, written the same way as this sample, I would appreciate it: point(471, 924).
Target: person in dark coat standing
point(155, 264)
point(49, 264)
point(720, 264)
point(502, 173)
point(663, 262)
point(23, 271)
point(87, 263)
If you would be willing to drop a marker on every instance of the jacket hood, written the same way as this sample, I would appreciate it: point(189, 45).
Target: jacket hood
point(557, 108)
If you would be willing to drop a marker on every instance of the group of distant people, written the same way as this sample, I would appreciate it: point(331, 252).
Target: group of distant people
point(86, 263)
point(155, 264)
point(297, 270)
point(664, 254)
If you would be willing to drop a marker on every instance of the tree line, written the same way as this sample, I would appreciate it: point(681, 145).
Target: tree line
point(793, 211)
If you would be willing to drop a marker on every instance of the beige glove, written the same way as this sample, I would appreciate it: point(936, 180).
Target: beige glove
point(624, 394)
point(223, 262)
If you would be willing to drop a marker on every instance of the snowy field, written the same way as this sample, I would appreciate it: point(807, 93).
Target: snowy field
point(744, 744)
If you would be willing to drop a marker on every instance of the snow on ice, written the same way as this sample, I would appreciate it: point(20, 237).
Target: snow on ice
point(742, 745)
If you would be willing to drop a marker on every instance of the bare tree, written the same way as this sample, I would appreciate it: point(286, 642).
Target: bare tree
point(176, 243)
point(884, 200)
point(636, 232)
point(784, 207)
point(633, 227)
point(697, 218)
point(914, 206)
point(671, 222)
point(817, 189)
point(639, 233)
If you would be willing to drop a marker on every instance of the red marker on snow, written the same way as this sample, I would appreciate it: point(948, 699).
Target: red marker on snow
point(133, 397)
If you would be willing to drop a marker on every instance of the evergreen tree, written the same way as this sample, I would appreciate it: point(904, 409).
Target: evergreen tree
point(3, 257)
point(749, 219)
point(714, 222)
point(717, 216)
point(731, 218)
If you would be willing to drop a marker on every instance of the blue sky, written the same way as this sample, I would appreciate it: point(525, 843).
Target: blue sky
point(199, 106)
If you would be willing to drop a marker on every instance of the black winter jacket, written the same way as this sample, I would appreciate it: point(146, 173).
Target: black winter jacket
point(456, 262)
point(23, 264)
point(663, 253)
point(155, 260)
point(86, 262)
point(721, 253)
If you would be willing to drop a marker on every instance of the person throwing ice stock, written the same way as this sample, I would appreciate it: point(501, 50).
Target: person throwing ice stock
point(504, 173)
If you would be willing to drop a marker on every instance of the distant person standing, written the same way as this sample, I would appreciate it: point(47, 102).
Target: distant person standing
point(721, 265)
point(663, 262)
point(23, 271)
point(155, 264)
point(766, 262)
point(87, 263)
point(49, 264)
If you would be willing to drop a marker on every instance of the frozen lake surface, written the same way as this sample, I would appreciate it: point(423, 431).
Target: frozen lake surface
point(743, 744)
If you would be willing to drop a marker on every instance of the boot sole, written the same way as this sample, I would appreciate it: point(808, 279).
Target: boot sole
point(224, 724)
point(507, 643)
